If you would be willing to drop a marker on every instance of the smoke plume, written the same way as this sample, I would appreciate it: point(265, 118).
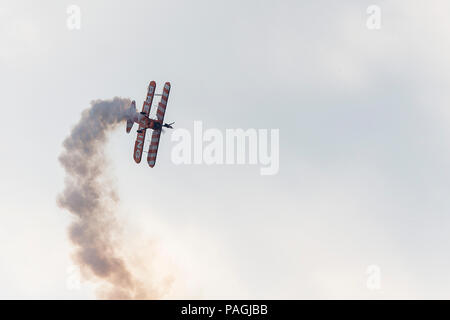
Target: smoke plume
point(87, 195)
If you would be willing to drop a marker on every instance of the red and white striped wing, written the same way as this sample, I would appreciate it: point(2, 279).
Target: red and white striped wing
point(153, 148)
point(154, 144)
point(140, 139)
point(163, 103)
point(148, 101)
point(139, 146)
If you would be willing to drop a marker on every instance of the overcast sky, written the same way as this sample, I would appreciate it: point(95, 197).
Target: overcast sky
point(364, 143)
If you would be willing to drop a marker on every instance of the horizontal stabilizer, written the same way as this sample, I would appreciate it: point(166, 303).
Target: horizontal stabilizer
point(129, 125)
point(130, 115)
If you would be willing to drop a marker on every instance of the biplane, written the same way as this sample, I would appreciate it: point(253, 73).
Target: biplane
point(145, 122)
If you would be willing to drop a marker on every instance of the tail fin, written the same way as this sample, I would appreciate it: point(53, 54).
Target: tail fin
point(131, 113)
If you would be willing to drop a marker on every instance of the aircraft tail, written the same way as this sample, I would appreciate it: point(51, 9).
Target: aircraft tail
point(130, 116)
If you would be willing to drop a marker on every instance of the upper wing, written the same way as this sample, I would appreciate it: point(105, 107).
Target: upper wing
point(148, 101)
point(163, 103)
point(154, 144)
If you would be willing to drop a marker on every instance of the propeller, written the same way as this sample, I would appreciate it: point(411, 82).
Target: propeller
point(168, 125)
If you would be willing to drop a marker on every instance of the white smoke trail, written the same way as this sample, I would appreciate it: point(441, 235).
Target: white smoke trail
point(93, 202)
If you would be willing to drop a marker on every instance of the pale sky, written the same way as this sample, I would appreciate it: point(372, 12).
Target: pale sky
point(364, 137)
